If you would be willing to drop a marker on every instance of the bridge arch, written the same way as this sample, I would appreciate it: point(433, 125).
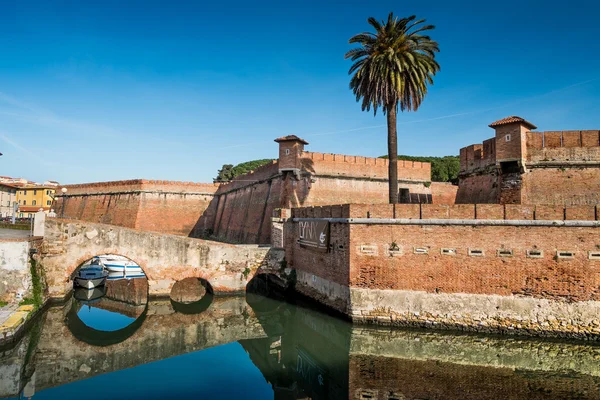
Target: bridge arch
point(191, 295)
point(78, 262)
point(165, 259)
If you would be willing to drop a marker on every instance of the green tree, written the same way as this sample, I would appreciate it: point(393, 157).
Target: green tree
point(391, 69)
point(228, 171)
point(224, 174)
point(443, 169)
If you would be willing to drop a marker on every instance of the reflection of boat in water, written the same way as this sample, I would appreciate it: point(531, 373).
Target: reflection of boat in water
point(113, 276)
point(91, 275)
point(120, 264)
point(89, 296)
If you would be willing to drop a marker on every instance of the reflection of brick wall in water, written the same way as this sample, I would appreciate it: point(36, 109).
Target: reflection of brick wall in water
point(383, 378)
point(131, 291)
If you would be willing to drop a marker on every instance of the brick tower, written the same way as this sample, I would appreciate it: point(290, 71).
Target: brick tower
point(511, 154)
point(290, 153)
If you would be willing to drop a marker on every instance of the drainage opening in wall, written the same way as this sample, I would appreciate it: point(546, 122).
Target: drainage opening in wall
point(504, 253)
point(476, 253)
point(535, 253)
point(565, 254)
point(594, 255)
point(421, 250)
point(448, 252)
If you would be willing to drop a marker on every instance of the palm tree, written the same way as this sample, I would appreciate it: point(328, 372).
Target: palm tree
point(392, 68)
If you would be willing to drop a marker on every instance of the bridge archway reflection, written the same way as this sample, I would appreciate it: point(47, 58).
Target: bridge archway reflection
point(111, 303)
point(98, 337)
point(191, 295)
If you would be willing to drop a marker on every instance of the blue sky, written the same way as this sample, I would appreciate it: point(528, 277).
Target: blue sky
point(104, 90)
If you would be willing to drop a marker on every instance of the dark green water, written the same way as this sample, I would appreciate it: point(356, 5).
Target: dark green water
point(258, 348)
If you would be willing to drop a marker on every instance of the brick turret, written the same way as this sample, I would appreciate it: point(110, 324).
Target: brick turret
point(291, 148)
point(511, 139)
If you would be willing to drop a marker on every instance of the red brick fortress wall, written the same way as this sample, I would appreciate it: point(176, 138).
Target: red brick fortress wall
point(498, 263)
point(245, 206)
point(159, 206)
point(563, 167)
point(521, 166)
point(337, 178)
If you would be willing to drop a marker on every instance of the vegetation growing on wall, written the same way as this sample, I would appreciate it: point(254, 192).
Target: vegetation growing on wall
point(229, 171)
point(36, 282)
point(22, 227)
point(443, 169)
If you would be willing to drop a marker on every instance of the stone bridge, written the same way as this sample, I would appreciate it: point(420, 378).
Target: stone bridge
point(164, 258)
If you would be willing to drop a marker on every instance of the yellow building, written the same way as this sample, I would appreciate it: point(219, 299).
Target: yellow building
point(33, 197)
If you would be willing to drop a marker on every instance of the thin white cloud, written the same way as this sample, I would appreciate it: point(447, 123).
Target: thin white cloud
point(29, 153)
point(363, 128)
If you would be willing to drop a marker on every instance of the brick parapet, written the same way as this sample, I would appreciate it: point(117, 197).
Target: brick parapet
point(449, 212)
point(139, 185)
point(372, 168)
point(541, 148)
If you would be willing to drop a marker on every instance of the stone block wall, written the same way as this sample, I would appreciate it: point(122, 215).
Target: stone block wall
point(15, 273)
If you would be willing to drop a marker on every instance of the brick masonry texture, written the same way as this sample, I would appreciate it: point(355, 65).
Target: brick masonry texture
point(158, 206)
point(240, 211)
point(383, 378)
point(545, 268)
point(520, 166)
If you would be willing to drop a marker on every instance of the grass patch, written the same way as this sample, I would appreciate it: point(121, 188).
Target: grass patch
point(3, 303)
point(27, 301)
point(20, 227)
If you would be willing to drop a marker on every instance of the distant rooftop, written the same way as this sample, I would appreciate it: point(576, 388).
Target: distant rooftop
point(511, 120)
point(290, 138)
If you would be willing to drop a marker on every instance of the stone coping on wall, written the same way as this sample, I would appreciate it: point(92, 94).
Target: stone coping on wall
point(459, 222)
point(341, 165)
point(343, 158)
point(138, 185)
point(553, 215)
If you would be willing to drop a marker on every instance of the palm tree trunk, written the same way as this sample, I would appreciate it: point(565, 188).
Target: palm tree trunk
point(392, 153)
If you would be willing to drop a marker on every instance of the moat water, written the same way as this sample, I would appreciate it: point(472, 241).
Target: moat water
point(255, 347)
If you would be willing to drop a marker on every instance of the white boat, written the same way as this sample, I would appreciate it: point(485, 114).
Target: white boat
point(113, 276)
point(120, 264)
point(91, 275)
point(89, 296)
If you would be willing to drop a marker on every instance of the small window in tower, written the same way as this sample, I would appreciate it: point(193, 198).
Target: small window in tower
point(507, 138)
point(287, 152)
